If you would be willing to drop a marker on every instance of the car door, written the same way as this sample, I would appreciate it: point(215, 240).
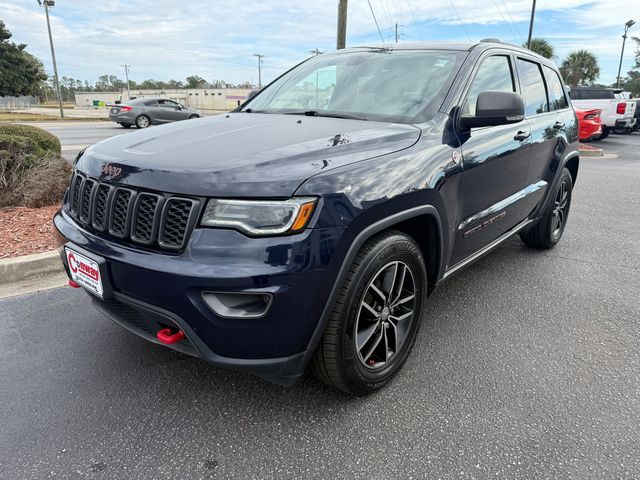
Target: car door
point(495, 162)
point(171, 111)
point(551, 132)
point(547, 126)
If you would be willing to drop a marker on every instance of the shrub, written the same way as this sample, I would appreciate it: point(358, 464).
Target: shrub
point(32, 173)
point(44, 142)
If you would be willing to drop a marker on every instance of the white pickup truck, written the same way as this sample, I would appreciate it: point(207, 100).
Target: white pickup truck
point(617, 112)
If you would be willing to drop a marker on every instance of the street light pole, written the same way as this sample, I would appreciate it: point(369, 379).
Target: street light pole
point(260, 57)
point(533, 14)
point(342, 25)
point(627, 26)
point(126, 74)
point(47, 4)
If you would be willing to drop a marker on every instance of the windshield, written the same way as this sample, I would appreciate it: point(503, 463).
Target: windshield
point(396, 86)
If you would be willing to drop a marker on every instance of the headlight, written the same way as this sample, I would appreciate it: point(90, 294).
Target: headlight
point(260, 217)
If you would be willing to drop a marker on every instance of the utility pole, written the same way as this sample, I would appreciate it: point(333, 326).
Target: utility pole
point(396, 32)
point(342, 24)
point(627, 26)
point(260, 57)
point(533, 14)
point(126, 74)
point(47, 4)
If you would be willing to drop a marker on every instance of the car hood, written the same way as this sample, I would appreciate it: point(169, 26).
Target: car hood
point(241, 154)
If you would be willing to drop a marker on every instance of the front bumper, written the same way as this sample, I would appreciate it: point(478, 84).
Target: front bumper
point(153, 289)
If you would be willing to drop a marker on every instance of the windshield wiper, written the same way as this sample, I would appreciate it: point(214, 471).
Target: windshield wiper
point(316, 113)
point(251, 110)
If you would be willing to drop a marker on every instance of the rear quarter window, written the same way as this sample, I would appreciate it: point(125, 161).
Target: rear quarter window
point(557, 98)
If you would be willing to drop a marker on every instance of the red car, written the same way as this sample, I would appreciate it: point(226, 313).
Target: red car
point(590, 124)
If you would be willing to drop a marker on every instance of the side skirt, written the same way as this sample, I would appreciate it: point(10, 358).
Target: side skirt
point(486, 249)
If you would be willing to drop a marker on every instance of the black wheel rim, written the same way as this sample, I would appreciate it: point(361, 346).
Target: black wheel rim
point(560, 209)
point(385, 315)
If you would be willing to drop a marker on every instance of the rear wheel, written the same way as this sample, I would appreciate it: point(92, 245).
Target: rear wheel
point(376, 316)
point(549, 229)
point(143, 121)
point(605, 133)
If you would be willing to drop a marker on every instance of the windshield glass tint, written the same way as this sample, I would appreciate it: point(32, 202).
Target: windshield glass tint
point(400, 86)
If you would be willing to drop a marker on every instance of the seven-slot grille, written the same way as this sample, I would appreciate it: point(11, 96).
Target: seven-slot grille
point(143, 217)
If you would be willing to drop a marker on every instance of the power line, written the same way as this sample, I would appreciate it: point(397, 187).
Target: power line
point(505, 21)
point(460, 19)
point(515, 25)
point(375, 20)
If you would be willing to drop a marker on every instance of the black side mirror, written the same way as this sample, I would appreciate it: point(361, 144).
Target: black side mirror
point(252, 94)
point(495, 108)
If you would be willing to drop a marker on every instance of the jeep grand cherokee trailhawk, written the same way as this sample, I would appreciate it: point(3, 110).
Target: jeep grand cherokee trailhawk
point(309, 226)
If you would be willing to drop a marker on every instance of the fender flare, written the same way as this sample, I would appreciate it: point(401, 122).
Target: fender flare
point(360, 239)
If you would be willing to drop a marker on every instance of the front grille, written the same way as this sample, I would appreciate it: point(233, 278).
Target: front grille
point(100, 207)
point(146, 221)
point(175, 221)
point(134, 215)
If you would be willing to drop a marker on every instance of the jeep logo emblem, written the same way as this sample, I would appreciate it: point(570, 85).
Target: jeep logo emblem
point(110, 171)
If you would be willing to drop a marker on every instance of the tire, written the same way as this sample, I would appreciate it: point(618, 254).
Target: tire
point(605, 133)
point(143, 121)
point(126, 125)
point(338, 361)
point(547, 232)
point(194, 116)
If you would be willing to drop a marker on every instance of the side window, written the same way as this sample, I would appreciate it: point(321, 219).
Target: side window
point(533, 91)
point(557, 98)
point(493, 74)
point(151, 103)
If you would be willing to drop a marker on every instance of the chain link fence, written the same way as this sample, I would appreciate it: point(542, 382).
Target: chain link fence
point(18, 103)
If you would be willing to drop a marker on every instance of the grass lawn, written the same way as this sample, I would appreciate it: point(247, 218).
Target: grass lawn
point(30, 117)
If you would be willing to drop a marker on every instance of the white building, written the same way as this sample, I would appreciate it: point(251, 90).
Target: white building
point(200, 98)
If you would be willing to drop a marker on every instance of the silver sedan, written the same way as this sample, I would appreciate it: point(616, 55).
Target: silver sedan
point(143, 112)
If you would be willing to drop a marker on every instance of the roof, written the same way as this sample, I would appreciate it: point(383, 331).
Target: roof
point(463, 47)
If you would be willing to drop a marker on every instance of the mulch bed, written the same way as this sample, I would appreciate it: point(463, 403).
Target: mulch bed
point(588, 148)
point(26, 230)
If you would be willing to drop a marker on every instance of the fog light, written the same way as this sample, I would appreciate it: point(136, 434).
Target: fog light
point(238, 304)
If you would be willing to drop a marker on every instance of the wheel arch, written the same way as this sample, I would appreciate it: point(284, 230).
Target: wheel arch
point(572, 164)
point(410, 221)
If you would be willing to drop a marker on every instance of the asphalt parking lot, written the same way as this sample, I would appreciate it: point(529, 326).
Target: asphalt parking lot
point(527, 365)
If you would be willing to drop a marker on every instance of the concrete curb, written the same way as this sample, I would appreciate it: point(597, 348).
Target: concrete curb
point(18, 269)
point(591, 153)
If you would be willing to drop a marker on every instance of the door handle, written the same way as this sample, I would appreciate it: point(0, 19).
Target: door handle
point(558, 125)
point(522, 135)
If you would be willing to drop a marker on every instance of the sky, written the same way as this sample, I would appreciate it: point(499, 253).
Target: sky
point(168, 39)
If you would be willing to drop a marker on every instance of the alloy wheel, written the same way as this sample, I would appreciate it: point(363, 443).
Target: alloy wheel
point(560, 208)
point(385, 315)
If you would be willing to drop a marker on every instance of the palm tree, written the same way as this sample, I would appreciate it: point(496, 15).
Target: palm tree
point(541, 47)
point(580, 68)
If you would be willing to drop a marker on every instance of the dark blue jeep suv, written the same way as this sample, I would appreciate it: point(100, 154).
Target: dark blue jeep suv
point(308, 227)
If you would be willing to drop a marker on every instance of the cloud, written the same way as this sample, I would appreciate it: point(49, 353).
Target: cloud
point(164, 39)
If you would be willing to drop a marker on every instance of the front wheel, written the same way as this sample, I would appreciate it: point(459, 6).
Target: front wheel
point(194, 116)
point(549, 229)
point(376, 316)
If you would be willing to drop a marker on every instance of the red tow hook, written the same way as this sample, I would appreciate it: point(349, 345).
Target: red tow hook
point(73, 284)
point(169, 336)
